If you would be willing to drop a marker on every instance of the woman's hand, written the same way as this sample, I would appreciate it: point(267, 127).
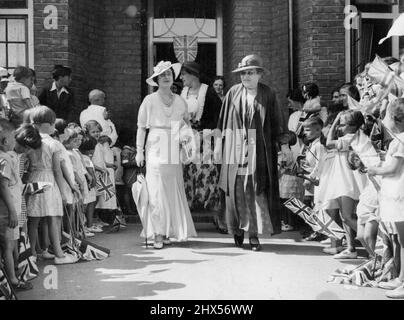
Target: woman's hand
point(140, 159)
point(372, 171)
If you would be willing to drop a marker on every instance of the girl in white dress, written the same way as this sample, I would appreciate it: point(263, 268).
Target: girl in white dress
point(160, 112)
point(340, 186)
point(44, 154)
point(103, 160)
point(392, 190)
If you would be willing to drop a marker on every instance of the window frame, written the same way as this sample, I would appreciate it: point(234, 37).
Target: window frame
point(218, 40)
point(370, 15)
point(28, 14)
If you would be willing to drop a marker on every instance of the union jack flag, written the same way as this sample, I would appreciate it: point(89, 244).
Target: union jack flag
point(6, 291)
point(26, 262)
point(185, 48)
point(386, 76)
point(105, 186)
point(319, 222)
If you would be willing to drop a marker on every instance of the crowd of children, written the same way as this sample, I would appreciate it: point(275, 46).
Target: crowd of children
point(350, 162)
point(77, 169)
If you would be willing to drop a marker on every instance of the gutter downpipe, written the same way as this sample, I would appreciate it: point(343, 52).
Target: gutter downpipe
point(291, 55)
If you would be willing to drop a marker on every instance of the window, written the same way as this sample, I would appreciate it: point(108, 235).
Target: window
point(362, 44)
point(13, 42)
point(13, 4)
point(16, 34)
point(168, 19)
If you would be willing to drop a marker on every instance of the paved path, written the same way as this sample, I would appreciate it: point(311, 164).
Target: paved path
point(209, 267)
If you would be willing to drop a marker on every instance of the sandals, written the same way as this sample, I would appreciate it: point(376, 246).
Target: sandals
point(22, 286)
point(158, 242)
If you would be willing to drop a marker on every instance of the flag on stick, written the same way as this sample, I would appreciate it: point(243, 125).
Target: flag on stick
point(105, 187)
point(396, 30)
point(320, 222)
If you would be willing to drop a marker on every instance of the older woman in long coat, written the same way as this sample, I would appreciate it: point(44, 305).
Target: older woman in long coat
point(253, 129)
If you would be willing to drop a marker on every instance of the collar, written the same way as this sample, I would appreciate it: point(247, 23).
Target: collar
point(53, 88)
point(95, 106)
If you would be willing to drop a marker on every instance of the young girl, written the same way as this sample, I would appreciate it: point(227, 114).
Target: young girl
point(72, 141)
point(347, 184)
point(391, 193)
point(44, 166)
point(312, 106)
point(103, 160)
point(86, 148)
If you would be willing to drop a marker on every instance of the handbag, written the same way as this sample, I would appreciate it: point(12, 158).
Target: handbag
point(141, 197)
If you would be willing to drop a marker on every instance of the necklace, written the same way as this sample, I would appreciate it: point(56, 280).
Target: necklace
point(167, 104)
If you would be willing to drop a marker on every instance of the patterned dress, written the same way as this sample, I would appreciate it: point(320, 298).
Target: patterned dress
point(201, 179)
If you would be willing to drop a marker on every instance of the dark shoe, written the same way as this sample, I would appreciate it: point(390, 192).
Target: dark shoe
point(239, 240)
point(255, 244)
point(22, 286)
point(315, 236)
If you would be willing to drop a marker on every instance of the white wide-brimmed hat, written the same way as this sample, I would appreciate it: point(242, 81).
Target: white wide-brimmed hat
point(162, 67)
point(252, 61)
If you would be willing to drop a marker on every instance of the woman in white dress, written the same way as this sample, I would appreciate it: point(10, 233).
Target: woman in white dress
point(163, 113)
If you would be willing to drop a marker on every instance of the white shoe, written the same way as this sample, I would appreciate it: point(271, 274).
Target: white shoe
point(67, 259)
point(390, 285)
point(100, 224)
point(94, 229)
point(326, 241)
point(333, 251)
point(89, 234)
point(287, 228)
point(45, 255)
point(346, 254)
point(397, 293)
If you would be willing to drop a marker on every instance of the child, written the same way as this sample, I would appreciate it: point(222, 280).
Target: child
point(111, 132)
point(87, 148)
point(391, 193)
point(72, 141)
point(19, 95)
point(347, 184)
point(313, 159)
point(120, 185)
point(44, 155)
point(291, 186)
point(130, 173)
point(10, 204)
point(312, 106)
point(103, 160)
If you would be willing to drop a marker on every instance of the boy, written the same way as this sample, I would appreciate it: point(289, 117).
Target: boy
point(314, 154)
point(130, 171)
point(10, 203)
point(19, 95)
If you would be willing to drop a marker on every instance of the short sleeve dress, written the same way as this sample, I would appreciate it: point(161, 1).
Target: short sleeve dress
point(392, 187)
point(49, 203)
point(168, 206)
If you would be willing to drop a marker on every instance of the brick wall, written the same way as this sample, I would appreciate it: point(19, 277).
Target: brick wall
point(259, 27)
point(51, 46)
point(319, 43)
point(123, 63)
point(86, 47)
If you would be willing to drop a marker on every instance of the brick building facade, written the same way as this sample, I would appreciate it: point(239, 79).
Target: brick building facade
point(111, 48)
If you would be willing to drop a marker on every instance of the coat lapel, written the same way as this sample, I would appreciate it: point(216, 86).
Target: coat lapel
point(260, 104)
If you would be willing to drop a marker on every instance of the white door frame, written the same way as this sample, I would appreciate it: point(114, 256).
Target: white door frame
point(371, 15)
point(218, 40)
